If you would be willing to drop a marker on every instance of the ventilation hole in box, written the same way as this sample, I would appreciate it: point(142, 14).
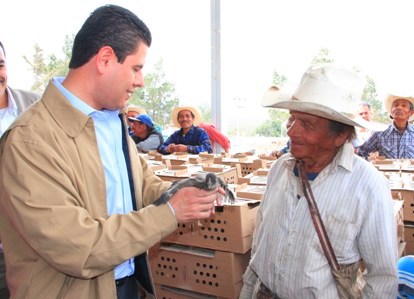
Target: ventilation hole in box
point(210, 283)
point(219, 221)
point(195, 273)
point(211, 267)
point(205, 266)
point(222, 230)
point(168, 259)
point(159, 265)
point(170, 267)
point(218, 238)
point(214, 276)
point(183, 225)
point(162, 273)
point(162, 258)
point(173, 260)
point(205, 237)
point(156, 272)
point(165, 266)
point(215, 229)
point(181, 233)
point(208, 274)
point(176, 268)
point(201, 273)
point(211, 237)
point(173, 276)
point(212, 220)
point(198, 264)
point(209, 229)
point(197, 280)
point(204, 282)
point(225, 239)
point(216, 284)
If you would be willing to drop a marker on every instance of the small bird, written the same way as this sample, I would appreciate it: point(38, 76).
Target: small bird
point(208, 182)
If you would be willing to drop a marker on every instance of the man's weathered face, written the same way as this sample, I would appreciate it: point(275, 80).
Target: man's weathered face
point(400, 110)
point(185, 119)
point(311, 137)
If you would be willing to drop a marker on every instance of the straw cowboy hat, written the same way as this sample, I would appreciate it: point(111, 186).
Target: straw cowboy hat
point(326, 91)
point(136, 109)
point(176, 110)
point(391, 98)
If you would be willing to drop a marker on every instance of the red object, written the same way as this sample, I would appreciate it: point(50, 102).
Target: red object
point(215, 135)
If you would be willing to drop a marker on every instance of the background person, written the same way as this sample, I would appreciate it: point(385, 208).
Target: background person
point(145, 136)
point(287, 257)
point(12, 103)
point(397, 140)
point(190, 138)
point(216, 136)
point(75, 197)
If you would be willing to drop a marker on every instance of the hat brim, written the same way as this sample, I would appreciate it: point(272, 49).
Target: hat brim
point(176, 110)
point(277, 98)
point(391, 98)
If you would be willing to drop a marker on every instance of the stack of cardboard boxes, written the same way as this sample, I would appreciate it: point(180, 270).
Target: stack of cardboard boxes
point(207, 259)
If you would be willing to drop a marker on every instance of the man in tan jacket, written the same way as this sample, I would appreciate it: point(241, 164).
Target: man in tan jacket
point(76, 217)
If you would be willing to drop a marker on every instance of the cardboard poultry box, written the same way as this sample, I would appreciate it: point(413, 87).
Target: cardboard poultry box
point(229, 229)
point(252, 192)
point(206, 271)
point(166, 292)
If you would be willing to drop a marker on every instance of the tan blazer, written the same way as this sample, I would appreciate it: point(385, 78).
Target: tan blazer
point(58, 239)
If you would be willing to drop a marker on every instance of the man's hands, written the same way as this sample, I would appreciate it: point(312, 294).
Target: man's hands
point(176, 148)
point(192, 204)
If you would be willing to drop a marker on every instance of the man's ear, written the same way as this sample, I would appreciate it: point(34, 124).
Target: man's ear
point(341, 138)
point(105, 57)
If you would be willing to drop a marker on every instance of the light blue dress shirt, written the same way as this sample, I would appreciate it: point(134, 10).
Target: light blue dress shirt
point(108, 128)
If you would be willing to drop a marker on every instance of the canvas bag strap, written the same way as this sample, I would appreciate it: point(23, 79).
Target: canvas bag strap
point(316, 218)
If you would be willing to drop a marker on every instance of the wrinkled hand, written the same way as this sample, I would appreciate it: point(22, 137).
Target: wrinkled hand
point(192, 204)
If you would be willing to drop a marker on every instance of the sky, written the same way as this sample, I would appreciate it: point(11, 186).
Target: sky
point(258, 37)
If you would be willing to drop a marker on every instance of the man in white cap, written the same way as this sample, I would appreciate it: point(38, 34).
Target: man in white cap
point(397, 141)
point(288, 259)
point(190, 138)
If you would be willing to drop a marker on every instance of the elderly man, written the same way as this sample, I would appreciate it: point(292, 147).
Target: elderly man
point(190, 138)
point(288, 259)
point(145, 136)
point(397, 141)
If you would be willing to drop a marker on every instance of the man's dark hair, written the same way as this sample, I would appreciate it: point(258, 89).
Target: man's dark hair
point(338, 128)
point(112, 26)
point(365, 104)
point(4, 51)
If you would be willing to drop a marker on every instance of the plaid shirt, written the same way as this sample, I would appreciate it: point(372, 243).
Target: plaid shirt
point(390, 143)
point(196, 139)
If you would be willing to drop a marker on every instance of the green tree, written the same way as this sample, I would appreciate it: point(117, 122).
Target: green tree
point(205, 111)
point(322, 57)
point(157, 97)
point(370, 96)
point(45, 69)
point(273, 126)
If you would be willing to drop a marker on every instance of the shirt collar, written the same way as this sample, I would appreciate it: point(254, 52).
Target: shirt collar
point(75, 101)
point(11, 103)
point(344, 158)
